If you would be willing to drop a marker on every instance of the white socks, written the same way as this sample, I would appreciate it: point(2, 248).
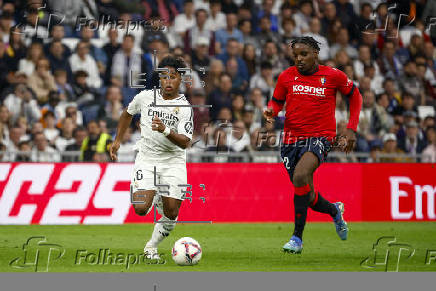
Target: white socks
point(161, 230)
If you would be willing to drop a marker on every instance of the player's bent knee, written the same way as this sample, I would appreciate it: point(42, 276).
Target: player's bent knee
point(301, 179)
point(141, 210)
point(171, 213)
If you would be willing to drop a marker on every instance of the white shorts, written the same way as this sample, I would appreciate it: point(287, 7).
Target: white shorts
point(168, 180)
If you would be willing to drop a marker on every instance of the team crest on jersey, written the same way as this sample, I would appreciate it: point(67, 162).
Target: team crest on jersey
point(323, 80)
point(176, 110)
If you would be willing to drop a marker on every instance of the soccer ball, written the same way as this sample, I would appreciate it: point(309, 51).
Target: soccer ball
point(186, 252)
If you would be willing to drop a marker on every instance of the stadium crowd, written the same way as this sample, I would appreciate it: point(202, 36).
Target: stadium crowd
point(68, 68)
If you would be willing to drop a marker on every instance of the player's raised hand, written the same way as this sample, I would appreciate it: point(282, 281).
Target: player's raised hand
point(157, 124)
point(350, 140)
point(269, 114)
point(115, 146)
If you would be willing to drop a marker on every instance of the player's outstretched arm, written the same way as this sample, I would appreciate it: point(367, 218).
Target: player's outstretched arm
point(180, 140)
point(123, 124)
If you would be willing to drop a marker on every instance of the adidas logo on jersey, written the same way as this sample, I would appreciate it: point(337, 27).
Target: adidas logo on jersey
point(300, 89)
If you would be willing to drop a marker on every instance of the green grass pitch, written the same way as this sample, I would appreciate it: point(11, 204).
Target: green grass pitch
point(226, 247)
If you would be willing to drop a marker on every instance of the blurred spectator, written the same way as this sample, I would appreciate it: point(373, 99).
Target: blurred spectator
point(50, 130)
point(33, 28)
point(393, 95)
point(249, 57)
point(57, 33)
point(258, 100)
point(343, 43)
point(126, 64)
point(16, 135)
point(363, 22)
point(390, 66)
point(199, 31)
point(372, 117)
point(238, 83)
point(154, 32)
point(110, 49)
point(231, 31)
point(21, 103)
point(412, 142)
point(341, 111)
point(42, 81)
point(238, 104)
point(71, 10)
point(345, 12)
point(216, 19)
point(232, 51)
point(248, 118)
point(127, 147)
point(429, 121)
point(429, 153)
point(25, 152)
point(220, 142)
point(58, 59)
point(289, 31)
point(220, 97)
point(264, 80)
point(376, 80)
point(213, 78)
point(265, 33)
point(81, 60)
point(201, 114)
point(363, 59)
point(84, 94)
point(41, 151)
point(17, 49)
point(200, 57)
point(328, 22)
point(185, 20)
point(4, 123)
point(410, 83)
point(228, 7)
point(246, 29)
point(314, 31)
point(53, 106)
point(303, 16)
point(79, 134)
point(266, 11)
point(34, 53)
point(271, 55)
point(87, 33)
point(113, 107)
point(390, 147)
point(96, 142)
point(66, 136)
point(64, 88)
point(239, 139)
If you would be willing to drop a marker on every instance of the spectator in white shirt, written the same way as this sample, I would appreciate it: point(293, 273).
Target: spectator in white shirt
point(429, 153)
point(83, 61)
point(126, 64)
point(185, 20)
point(314, 31)
point(216, 19)
point(21, 103)
point(41, 151)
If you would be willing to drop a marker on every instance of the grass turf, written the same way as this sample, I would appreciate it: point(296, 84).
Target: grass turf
point(226, 247)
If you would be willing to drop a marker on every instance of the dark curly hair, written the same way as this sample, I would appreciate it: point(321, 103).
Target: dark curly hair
point(307, 40)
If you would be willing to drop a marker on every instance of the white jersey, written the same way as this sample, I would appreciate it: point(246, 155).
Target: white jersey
point(154, 146)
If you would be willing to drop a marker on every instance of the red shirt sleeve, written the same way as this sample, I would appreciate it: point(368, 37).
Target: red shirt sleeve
point(347, 88)
point(279, 97)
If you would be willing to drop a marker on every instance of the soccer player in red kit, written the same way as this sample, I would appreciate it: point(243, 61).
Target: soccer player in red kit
point(308, 90)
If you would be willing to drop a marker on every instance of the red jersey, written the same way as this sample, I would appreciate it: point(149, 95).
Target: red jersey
point(311, 102)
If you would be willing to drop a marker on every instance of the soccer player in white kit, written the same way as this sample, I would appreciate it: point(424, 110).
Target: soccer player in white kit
point(165, 134)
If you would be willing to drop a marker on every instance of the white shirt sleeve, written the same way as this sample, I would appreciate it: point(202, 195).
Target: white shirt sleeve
point(134, 106)
point(186, 124)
